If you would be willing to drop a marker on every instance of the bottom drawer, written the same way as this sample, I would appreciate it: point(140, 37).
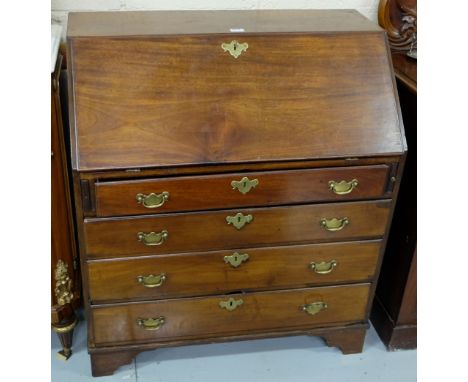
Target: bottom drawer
point(233, 314)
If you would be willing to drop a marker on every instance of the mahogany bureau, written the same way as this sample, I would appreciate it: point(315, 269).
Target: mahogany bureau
point(235, 175)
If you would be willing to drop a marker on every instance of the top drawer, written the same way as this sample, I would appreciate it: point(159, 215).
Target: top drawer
point(193, 193)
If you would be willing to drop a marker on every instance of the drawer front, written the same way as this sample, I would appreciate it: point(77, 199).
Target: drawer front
point(227, 271)
point(194, 193)
point(206, 231)
point(253, 312)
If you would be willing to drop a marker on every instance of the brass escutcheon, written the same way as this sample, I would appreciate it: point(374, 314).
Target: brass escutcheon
point(314, 307)
point(153, 200)
point(244, 185)
point(334, 224)
point(153, 238)
point(343, 187)
point(323, 267)
point(239, 220)
point(150, 323)
point(152, 281)
point(231, 304)
point(235, 48)
point(236, 259)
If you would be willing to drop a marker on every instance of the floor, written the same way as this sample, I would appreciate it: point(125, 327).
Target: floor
point(290, 359)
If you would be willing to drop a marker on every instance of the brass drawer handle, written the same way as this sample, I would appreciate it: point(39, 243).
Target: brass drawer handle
point(343, 187)
point(239, 220)
point(235, 48)
point(236, 259)
point(334, 224)
point(153, 200)
point(231, 304)
point(324, 267)
point(244, 185)
point(152, 281)
point(314, 307)
point(151, 323)
point(153, 238)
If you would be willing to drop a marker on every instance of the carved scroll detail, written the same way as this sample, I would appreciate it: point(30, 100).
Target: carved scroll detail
point(399, 18)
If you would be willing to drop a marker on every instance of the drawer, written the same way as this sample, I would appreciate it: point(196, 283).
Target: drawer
point(233, 314)
point(207, 231)
point(227, 271)
point(192, 193)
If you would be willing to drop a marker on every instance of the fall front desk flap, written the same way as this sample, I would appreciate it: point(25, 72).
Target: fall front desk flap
point(229, 87)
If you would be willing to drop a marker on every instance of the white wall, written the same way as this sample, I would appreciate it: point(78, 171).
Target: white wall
point(60, 8)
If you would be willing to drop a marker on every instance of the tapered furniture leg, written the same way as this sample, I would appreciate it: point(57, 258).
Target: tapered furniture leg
point(65, 334)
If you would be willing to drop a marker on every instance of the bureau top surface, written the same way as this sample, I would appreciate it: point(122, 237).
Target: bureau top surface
point(158, 89)
point(205, 22)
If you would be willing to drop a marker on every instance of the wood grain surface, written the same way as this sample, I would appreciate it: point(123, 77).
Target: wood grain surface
point(193, 193)
point(157, 104)
point(189, 102)
point(208, 273)
point(202, 231)
point(203, 317)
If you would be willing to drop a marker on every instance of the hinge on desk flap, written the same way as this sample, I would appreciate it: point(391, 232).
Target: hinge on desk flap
point(391, 178)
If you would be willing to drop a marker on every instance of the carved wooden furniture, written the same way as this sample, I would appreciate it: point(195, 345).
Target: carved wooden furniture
point(235, 175)
point(394, 310)
point(65, 285)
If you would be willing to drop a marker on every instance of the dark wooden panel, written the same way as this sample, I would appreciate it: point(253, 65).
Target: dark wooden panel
point(65, 283)
point(63, 246)
point(208, 273)
point(406, 71)
point(275, 102)
point(201, 22)
point(394, 310)
point(394, 336)
point(109, 237)
point(203, 317)
point(408, 310)
point(194, 193)
point(402, 238)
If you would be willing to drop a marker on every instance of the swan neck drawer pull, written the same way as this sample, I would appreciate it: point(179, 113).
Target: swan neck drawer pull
point(236, 259)
point(244, 185)
point(324, 267)
point(231, 304)
point(314, 307)
point(153, 200)
point(334, 224)
point(239, 220)
point(150, 323)
point(153, 238)
point(152, 281)
point(343, 187)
